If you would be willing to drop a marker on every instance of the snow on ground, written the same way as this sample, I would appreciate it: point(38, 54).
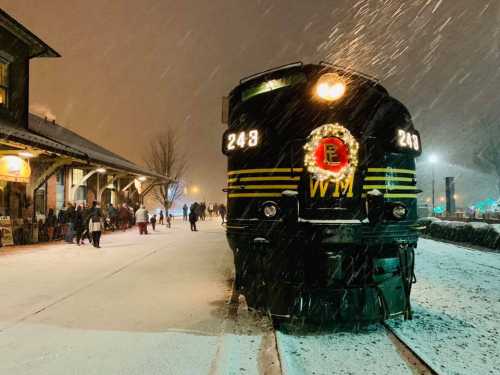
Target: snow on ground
point(455, 329)
point(157, 305)
point(457, 309)
point(367, 352)
point(150, 305)
point(41, 349)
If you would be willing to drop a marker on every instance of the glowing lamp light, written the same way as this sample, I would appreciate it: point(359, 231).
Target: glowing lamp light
point(195, 189)
point(433, 158)
point(101, 170)
point(142, 178)
point(14, 164)
point(26, 154)
point(330, 87)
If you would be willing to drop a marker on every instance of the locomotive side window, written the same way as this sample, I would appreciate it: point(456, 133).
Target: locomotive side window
point(242, 140)
point(408, 140)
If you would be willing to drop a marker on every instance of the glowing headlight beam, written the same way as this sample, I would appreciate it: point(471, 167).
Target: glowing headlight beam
point(330, 87)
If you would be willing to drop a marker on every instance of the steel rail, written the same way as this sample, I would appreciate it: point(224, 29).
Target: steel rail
point(408, 354)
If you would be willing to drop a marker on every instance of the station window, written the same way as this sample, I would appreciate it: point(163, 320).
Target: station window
point(4, 83)
point(76, 176)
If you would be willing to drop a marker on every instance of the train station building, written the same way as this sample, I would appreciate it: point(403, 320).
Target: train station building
point(42, 164)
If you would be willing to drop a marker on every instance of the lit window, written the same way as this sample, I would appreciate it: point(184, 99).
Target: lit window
point(272, 85)
point(77, 176)
point(4, 83)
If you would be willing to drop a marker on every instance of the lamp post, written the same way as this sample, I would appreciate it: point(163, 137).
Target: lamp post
point(433, 160)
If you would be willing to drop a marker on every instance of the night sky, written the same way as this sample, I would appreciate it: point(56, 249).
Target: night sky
point(130, 68)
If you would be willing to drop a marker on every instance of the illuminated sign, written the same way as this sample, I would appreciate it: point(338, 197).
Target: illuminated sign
point(408, 140)
point(242, 140)
point(14, 169)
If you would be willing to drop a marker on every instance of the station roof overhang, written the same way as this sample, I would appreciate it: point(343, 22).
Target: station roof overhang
point(37, 47)
point(52, 138)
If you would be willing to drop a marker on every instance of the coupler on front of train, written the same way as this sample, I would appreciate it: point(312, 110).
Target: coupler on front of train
point(321, 195)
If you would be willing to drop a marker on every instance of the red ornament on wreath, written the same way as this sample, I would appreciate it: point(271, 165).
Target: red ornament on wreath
point(332, 154)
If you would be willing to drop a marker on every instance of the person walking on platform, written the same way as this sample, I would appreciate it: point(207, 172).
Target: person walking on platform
point(95, 225)
point(153, 222)
point(79, 224)
point(51, 223)
point(141, 219)
point(202, 211)
point(185, 212)
point(193, 217)
point(70, 218)
point(160, 220)
point(113, 215)
point(61, 223)
point(222, 212)
point(123, 217)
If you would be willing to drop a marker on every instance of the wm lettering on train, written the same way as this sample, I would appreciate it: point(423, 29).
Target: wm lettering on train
point(320, 189)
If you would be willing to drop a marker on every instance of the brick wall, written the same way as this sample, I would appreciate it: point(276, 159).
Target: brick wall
point(51, 192)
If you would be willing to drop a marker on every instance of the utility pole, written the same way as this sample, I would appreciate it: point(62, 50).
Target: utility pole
point(433, 190)
point(433, 160)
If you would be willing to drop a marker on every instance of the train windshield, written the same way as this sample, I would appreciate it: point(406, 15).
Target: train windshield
point(272, 85)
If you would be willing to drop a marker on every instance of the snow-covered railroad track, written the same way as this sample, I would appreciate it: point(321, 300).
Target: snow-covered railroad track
point(368, 351)
point(408, 354)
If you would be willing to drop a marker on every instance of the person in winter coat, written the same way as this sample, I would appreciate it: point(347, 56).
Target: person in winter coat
point(202, 213)
point(153, 222)
point(222, 212)
point(185, 212)
point(123, 217)
point(193, 218)
point(160, 221)
point(95, 224)
point(51, 223)
point(62, 226)
point(70, 225)
point(141, 218)
point(79, 224)
point(112, 215)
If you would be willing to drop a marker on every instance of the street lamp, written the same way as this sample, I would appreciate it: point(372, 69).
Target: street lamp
point(433, 160)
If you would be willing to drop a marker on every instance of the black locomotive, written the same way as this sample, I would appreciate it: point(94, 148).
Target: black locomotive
point(321, 194)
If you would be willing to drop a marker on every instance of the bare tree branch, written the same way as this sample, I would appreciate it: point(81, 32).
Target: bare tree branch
point(165, 157)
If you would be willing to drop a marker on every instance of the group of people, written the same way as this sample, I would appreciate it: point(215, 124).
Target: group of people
point(76, 222)
point(81, 222)
point(198, 211)
point(143, 218)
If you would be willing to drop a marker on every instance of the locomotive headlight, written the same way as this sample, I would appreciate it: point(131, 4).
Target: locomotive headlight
point(330, 87)
point(399, 211)
point(270, 209)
